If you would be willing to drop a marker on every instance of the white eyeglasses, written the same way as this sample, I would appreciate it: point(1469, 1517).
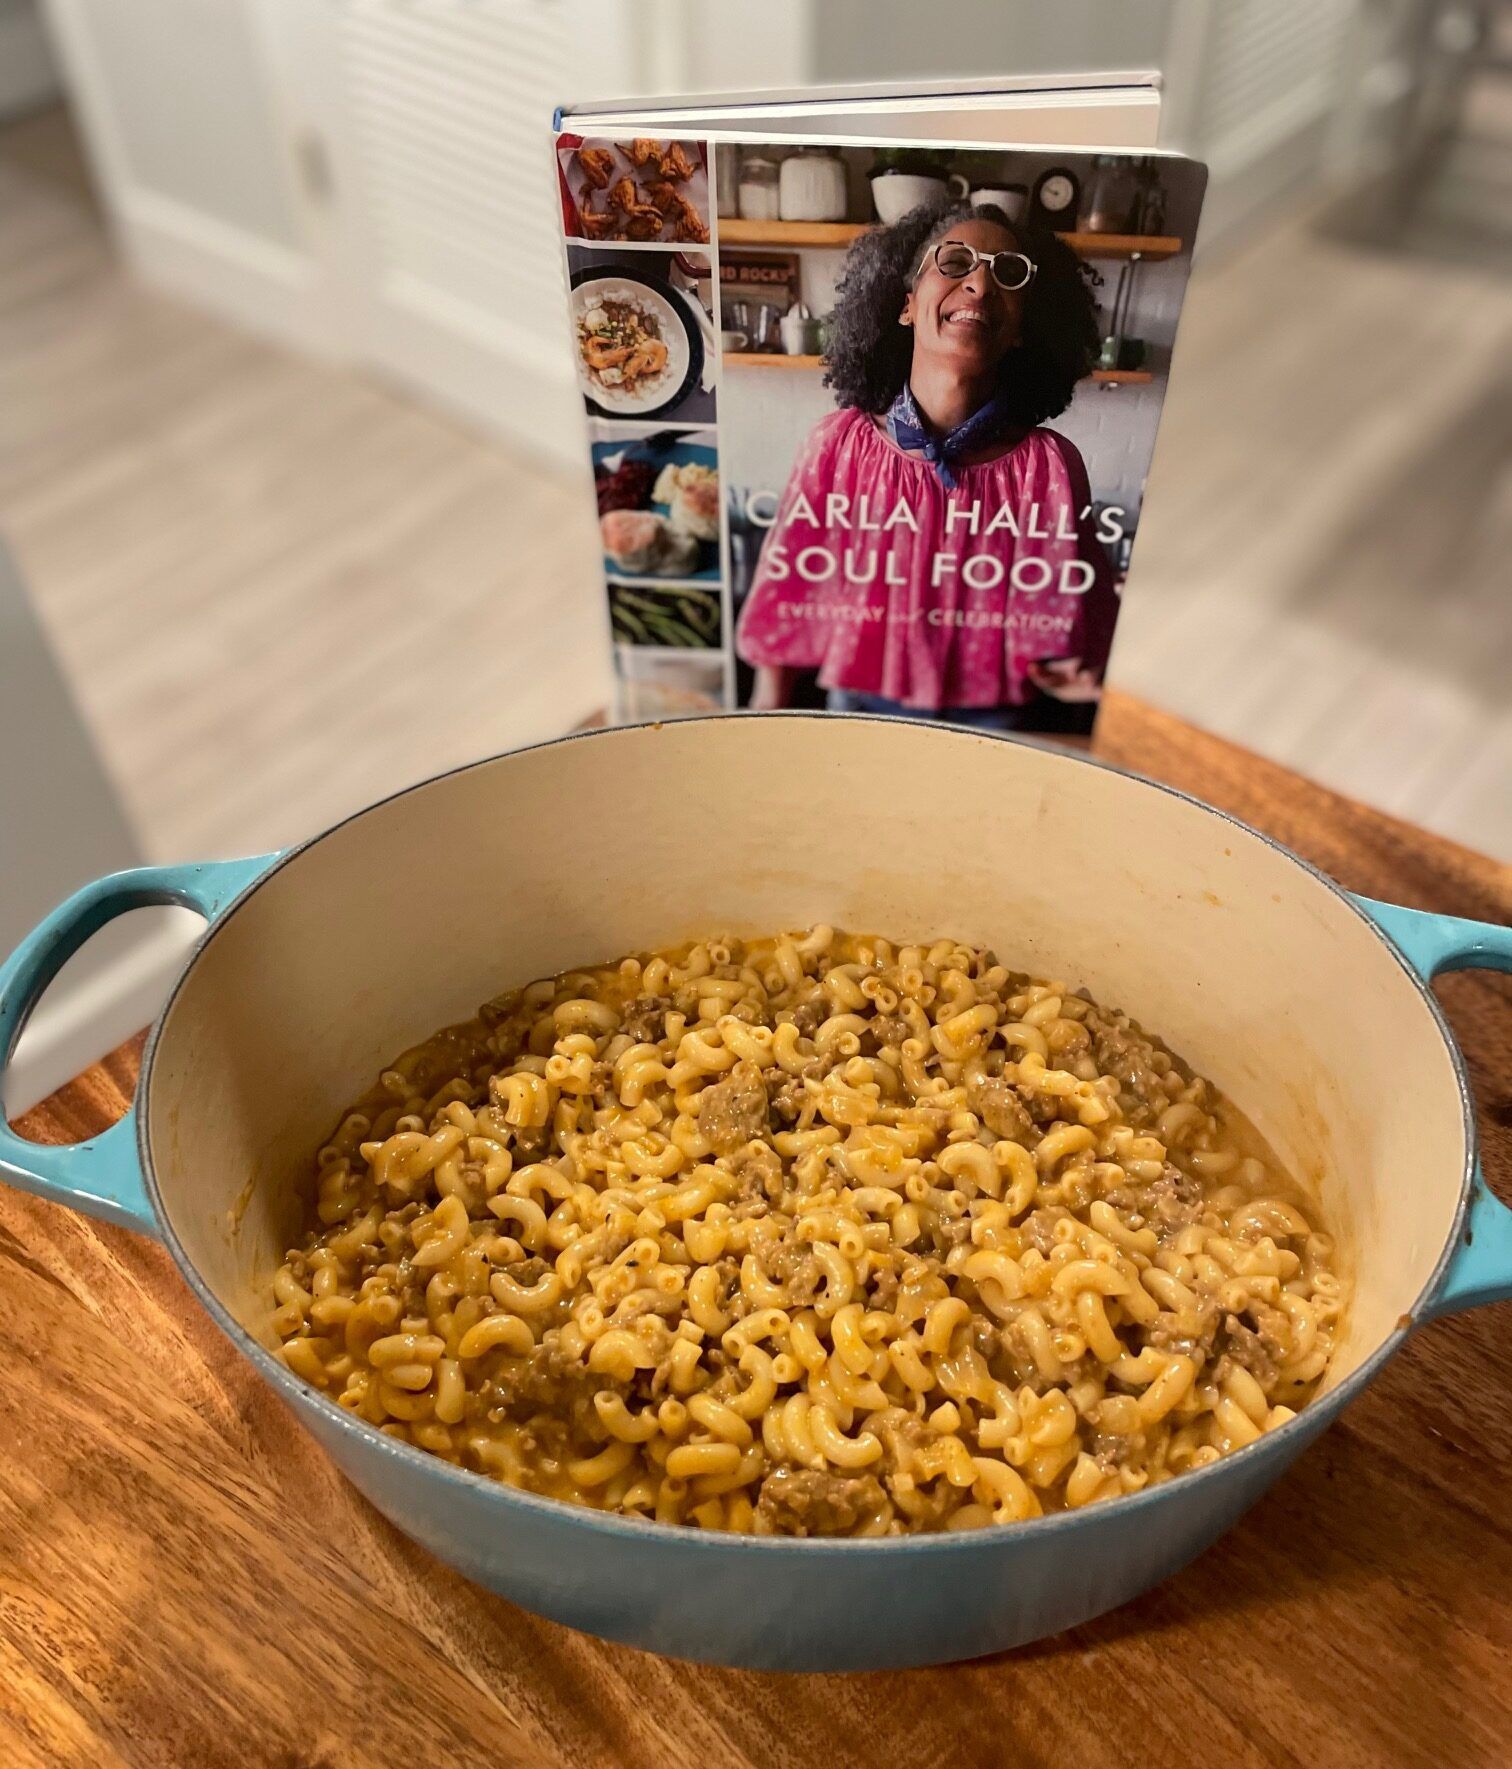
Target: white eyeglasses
point(955, 259)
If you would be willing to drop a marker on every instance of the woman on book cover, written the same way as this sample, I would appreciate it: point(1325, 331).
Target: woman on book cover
point(935, 551)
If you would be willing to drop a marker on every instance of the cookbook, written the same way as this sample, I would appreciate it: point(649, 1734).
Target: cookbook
point(872, 383)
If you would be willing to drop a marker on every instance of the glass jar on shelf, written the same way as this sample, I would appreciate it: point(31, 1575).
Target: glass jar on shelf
point(727, 179)
point(1108, 203)
point(1150, 207)
point(759, 200)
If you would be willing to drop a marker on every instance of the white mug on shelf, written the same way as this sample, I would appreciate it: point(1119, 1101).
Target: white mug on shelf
point(800, 332)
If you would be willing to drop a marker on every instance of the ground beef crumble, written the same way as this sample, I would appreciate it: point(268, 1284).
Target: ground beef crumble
point(805, 1502)
point(1258, 1352)
point(1038, 1227)
point(757, 1169)
point(793, 1266)
point(1172, 1202)
point(1002, 1111)
point(733, 1112)
point(645, 1018)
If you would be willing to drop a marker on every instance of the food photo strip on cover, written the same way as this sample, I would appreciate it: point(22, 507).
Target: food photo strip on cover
point(636, 214)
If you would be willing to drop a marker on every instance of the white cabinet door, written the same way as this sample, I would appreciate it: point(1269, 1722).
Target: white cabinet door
point(1252, 88)
point(370, 179)
point(424, 126)
point(179, 105)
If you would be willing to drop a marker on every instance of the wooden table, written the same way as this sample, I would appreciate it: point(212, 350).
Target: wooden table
point(185, 1581)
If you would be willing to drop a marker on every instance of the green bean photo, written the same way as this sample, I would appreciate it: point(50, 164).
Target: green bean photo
point(673, 619)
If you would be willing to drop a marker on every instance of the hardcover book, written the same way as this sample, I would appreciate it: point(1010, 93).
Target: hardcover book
point(872, 384)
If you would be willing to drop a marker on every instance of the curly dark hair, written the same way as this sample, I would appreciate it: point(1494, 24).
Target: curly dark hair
point(869, 353)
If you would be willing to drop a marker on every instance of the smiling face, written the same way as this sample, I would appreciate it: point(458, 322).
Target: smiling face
point(970, 324)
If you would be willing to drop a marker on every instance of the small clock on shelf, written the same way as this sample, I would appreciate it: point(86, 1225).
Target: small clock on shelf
point(1055, 199)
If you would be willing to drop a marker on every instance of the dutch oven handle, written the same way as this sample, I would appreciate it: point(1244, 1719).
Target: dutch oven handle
point(101, 1177)
point(1480, 1268)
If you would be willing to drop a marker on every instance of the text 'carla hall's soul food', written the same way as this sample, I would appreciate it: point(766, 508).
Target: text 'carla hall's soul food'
point(816, 1235)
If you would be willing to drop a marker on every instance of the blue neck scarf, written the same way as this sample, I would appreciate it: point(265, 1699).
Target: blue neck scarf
point(910, 430)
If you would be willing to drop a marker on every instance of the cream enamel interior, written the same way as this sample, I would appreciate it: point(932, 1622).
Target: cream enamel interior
point(405, 918)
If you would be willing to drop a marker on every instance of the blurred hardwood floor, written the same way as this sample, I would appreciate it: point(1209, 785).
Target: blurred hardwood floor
point(281, 590)
point(1322, 571)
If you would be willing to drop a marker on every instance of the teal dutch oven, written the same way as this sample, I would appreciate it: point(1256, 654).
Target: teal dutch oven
point(1308, 1006)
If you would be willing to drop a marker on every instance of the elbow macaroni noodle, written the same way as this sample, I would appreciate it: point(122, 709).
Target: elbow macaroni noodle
point(808, 1235)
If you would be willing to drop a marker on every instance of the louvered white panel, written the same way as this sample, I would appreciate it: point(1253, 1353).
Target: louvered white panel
point(1271, 69)
point(451, 103)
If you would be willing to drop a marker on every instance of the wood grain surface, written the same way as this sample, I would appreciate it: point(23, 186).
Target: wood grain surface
point(185, 1581)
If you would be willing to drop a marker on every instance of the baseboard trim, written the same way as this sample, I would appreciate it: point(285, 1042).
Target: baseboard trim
point(267, 287)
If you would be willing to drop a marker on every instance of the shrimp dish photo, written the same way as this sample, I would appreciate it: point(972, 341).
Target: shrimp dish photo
point(620, 344)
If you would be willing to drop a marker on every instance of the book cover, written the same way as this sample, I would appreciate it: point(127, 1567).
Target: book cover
point(870, 426)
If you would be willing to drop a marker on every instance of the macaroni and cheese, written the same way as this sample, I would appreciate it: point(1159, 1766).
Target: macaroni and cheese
point(817, 1234)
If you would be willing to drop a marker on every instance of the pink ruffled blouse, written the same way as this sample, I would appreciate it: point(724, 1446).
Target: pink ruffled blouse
point(887, 583)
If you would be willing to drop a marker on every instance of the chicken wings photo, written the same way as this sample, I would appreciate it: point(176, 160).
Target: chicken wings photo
point(675, 163)
point(642, 222)
point(690, 225)
point(648, 191)
point(597, 164)
point(596, 224)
